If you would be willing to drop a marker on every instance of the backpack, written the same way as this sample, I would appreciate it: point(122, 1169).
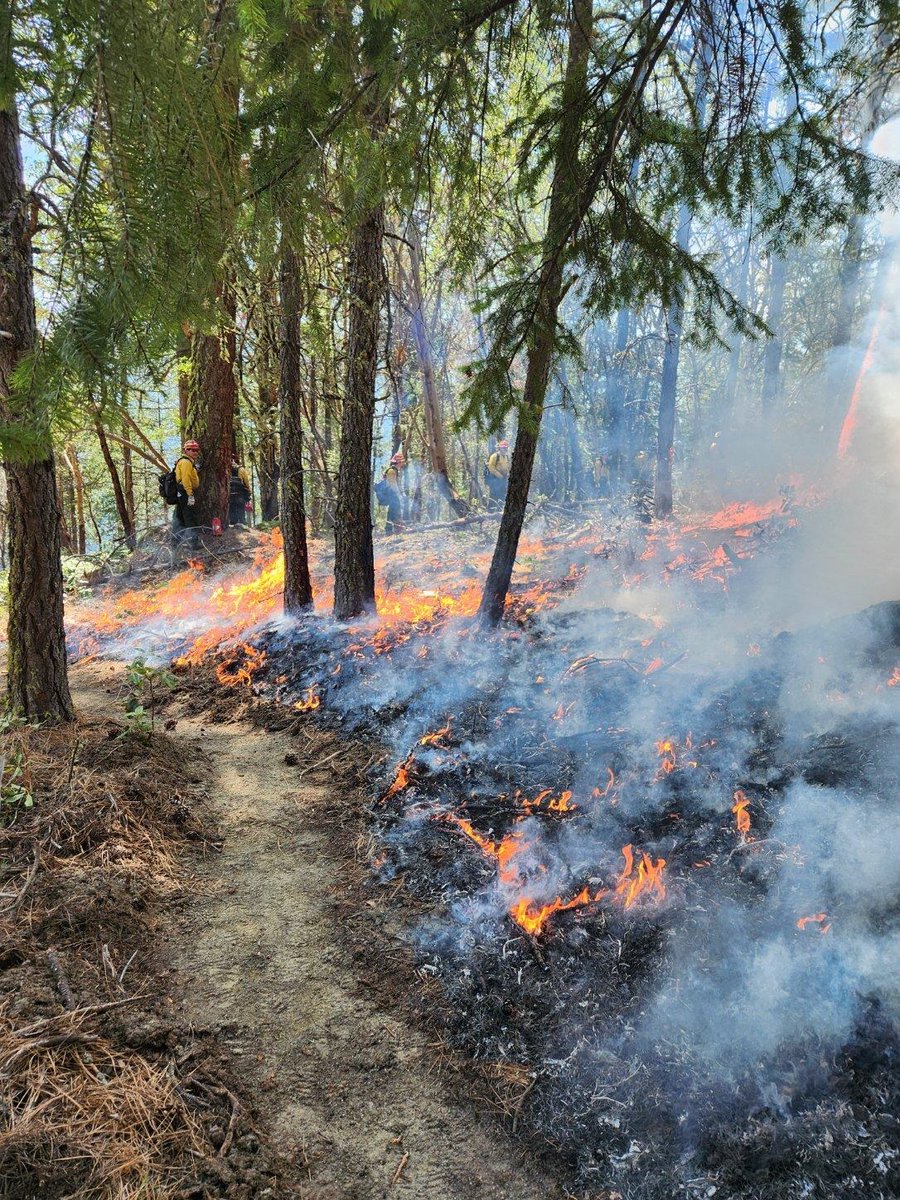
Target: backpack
point(168, 486)
point(383, 492)
point(237, 489)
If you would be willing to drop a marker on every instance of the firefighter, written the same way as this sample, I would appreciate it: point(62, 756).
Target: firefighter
point(184, 518)
point(642, 487)
point(396, 493)
point(601, 476)
point(496, 473)
point(239, 495)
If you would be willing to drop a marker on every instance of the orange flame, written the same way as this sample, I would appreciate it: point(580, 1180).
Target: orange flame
point(820, 919)
point(741, 815)
point(310, 702)
point(231, 673)
point(532, 917)
point(895, 677)
point(646, 881)
point(401, 779)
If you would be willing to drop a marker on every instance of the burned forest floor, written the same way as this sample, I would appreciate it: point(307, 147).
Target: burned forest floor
point(203, 994)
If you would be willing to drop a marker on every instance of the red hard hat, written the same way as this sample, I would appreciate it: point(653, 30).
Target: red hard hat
point(192, 445)
point(504, 445)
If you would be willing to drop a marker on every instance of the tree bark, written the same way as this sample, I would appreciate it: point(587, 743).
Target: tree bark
point(567, 206)
point(37, 678)
point(434, 426)
point(298, 594)
point(774, 316)
point(126, 520)
point(211, 409)
point(70, 456)
point(354, 557)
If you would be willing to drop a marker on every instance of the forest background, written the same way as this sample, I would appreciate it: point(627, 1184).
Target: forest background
point(311, 234)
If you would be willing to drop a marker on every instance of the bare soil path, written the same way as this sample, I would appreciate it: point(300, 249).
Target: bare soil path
point(343, 1081)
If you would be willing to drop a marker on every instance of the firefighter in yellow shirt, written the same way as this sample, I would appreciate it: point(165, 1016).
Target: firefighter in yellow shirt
point(238, 495)
point(184, 519)
point(496, 473)
point(395, 494)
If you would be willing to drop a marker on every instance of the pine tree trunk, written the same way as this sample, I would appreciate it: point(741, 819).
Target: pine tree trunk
point(267, 467)
point(211, 410)
point(566, 203)
point(434, 426)
point(774, 316)
point(37, 678)
point(615, 403)
point(125, 519)
point(668, 390)
point(71, 459)
point(297, 585)
point(354, 557)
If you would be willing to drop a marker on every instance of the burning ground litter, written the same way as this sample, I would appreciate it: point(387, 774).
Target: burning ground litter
point(647, 837)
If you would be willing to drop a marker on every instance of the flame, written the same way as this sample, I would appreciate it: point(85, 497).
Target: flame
point(503, 851)
point(532, 917)
point(600, 794)
point(310, 702)
point(232, 673)
point(895, 677)
point(645, 882)
point(559, 804)
point(741, 815)
point(667, 759)
point(820, 919)
point(401, 779)
point(436, 738)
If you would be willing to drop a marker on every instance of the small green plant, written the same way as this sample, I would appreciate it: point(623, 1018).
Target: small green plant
point(144, 683)
point(14, 795)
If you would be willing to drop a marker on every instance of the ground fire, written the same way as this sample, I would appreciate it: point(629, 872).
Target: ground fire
point(612, 840)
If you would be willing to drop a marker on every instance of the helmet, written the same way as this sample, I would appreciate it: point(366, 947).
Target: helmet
point(504, 445)
point(399, 459)
point(192, 445)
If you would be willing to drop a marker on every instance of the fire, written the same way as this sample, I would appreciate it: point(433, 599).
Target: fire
point(820, 919)
point(503, 851)
point(436, 738)
point(310, 702)
point(610, 789)
point(666, 752)
point(559, 804)
point(532, 917)
point(647, 881)
point(401, 779)
point(741, 814)
point(232, 673)
point(895, 677)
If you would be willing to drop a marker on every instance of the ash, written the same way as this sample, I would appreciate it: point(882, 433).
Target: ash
point(652, 841)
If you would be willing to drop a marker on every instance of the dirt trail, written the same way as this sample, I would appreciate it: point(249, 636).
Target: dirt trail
point(343, 1082)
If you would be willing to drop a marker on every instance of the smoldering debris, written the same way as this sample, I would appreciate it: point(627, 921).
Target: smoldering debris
point(651, 840)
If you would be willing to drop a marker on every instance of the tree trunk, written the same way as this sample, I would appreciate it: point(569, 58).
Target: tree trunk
point(774, 315)
point(615, 403)
point(70, 456)
point(125, 518)
point(354, 557)
point(183, 367)
point(37, 678)
point(567, 206)
point(297, 585)
point(211, 409)
point(267, 464)
point(668, 384)
point(434, 427)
